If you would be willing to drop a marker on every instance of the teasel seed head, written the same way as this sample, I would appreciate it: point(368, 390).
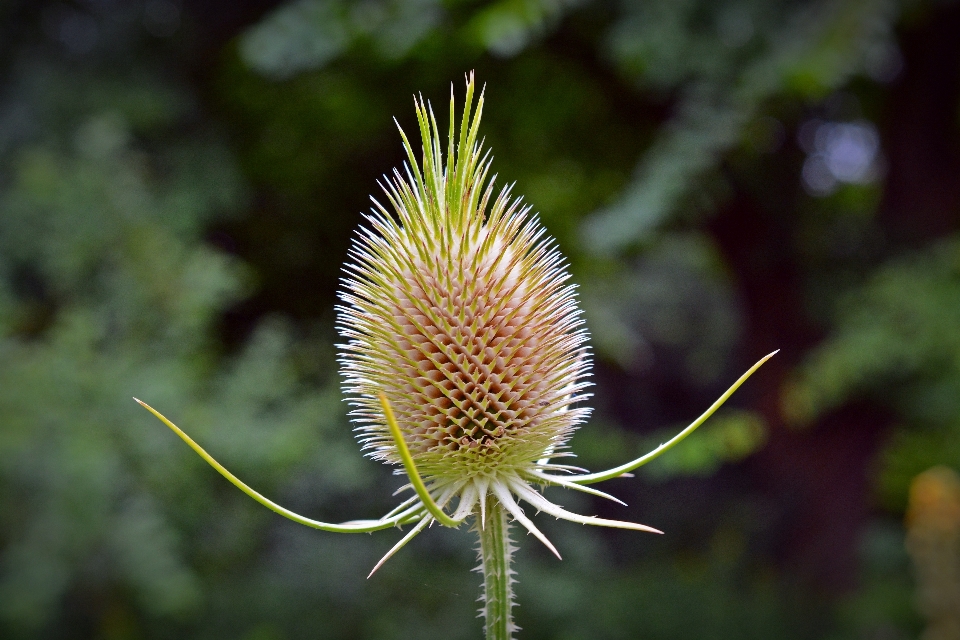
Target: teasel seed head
point(458, 308)
point(465, 359)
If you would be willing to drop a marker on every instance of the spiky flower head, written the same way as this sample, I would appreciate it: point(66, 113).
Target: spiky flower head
point(458, 309)
point(465, 358)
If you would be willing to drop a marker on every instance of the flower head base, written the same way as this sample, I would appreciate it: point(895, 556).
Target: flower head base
point(459, 312)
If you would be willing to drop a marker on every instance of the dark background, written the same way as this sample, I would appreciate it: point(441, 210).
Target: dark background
point(179, 183)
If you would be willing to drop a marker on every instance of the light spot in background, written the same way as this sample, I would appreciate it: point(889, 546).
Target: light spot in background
point(76, 30)
point(161, 17)
point(838, 153)
point(849, 149)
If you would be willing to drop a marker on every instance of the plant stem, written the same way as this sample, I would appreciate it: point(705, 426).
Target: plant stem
point(495, 553)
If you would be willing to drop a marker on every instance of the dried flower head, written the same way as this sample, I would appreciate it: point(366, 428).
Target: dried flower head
point(465, 357)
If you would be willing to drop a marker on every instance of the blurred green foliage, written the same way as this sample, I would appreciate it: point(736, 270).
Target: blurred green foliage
point(178, 187)
point(896, 337)
point(108, 291)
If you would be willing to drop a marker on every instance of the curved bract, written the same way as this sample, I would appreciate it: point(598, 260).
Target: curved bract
point(627, 467)
point(355, 526)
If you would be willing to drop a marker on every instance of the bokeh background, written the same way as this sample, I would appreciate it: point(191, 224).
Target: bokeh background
point(179, 182)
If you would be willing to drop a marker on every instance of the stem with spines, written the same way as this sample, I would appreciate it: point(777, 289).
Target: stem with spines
point(496, 551)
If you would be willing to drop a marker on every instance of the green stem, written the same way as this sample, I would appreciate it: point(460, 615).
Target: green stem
point(495, 553)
